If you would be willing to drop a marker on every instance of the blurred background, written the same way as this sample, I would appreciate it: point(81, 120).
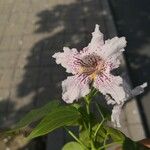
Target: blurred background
point(31, 31)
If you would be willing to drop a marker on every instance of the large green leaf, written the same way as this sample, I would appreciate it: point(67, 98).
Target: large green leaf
point(37, 114)
point(62, 116)
point(101, 133)
point(116, 135)
point(72, 146)
point(84, 137)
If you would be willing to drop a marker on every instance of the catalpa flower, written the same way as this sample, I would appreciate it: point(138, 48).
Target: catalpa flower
point(117, 109)
point(93, 66)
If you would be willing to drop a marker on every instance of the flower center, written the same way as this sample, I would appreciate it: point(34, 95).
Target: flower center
point(92, 65)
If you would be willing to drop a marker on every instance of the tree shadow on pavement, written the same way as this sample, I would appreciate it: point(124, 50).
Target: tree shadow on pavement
point(64, 25)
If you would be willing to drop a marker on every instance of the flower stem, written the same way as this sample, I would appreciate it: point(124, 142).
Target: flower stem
point(92, 146)
point(97, 129)
point(104, 143)
point(72, 134)
point(101, 123)
point(87, 100)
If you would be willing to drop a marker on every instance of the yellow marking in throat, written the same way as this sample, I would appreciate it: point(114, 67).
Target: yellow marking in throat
point(85, 70)
point(93, 76)
point(81, 70)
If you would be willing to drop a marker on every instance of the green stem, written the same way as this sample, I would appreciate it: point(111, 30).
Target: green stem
point(103, 118)
point(97, 129)
point(99, 126)
point(87, 102)
point(104, 143)
point(95, 92)
point(92, 146)
point(85, 125)
point(88, 107)
point(72, 134)
point(92, 93)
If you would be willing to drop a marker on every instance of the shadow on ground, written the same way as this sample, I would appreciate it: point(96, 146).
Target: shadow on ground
point(64, 25)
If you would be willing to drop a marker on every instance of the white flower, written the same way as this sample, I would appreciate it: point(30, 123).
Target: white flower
point(115, 116)
point(93, 65)
point(117, 109)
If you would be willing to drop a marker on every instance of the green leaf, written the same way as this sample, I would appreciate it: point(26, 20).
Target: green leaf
point(76, 105)
point(84, 137)
point(73, 146)
point(100, 134)
point(116, 135)
point(62, 116)
point(31, 117)
point(37, 114)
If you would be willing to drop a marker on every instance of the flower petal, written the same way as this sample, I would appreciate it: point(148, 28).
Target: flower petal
point(116, 111)
point(112, 85)
point(113, 46)
point(115, 116)
point(67, 58)
point(110, 100)
point(75, 87)
point(130, 93)
point(114, 60)
point(96, 41)
point(139, 89)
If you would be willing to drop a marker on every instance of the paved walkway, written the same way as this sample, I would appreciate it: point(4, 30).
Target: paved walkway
point(31, 31)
